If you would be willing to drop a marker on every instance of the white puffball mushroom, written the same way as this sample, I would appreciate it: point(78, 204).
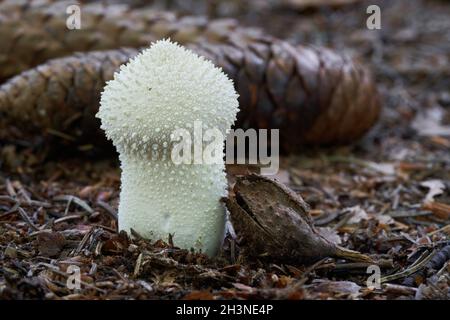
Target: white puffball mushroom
point(164, 88)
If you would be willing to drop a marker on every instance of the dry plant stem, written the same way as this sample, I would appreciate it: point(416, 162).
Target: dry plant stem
point(313, 96)
point(418, 265)
point(435, 261)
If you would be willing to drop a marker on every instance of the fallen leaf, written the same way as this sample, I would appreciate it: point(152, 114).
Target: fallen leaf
point(436, 187)
point(330, 234)
point(387, 169)
point(384, 219)
point(429, 123)
point(50, 244)
point(358, 214)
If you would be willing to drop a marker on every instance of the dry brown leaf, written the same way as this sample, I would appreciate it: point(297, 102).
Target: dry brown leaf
point(50, 244)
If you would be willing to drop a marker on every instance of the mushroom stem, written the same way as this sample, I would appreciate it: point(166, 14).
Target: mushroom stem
point(159, 197)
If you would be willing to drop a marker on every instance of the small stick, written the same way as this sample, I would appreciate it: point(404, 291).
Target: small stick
point(111, 212)
point(27, 219)
point(76, 200)
point(416, 266)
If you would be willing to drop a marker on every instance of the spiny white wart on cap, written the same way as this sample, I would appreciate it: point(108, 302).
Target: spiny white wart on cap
point(164, 88)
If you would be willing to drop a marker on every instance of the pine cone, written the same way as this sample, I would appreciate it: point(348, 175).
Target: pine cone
point(313, 95)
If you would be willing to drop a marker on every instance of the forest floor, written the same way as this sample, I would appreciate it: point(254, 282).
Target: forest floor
point(387, 195)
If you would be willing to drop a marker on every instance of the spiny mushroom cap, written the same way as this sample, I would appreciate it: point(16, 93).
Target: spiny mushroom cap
point(164, 88)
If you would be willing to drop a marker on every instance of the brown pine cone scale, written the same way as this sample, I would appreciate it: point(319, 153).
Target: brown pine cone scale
point(313, 95)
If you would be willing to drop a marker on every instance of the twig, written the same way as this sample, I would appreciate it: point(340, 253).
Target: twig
point(104, 227)
point(416, 266)
point(445, 229)
point(28, 202)
point(406, 214)
point(12, 210)
point(83, 242)
point(384, 264)
point(111, 212)
point(399, 289)
point(76, 200)
point(27, 219)
point(10, 188)
point(69, 217)
point(310, 269)
point(343, 221)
